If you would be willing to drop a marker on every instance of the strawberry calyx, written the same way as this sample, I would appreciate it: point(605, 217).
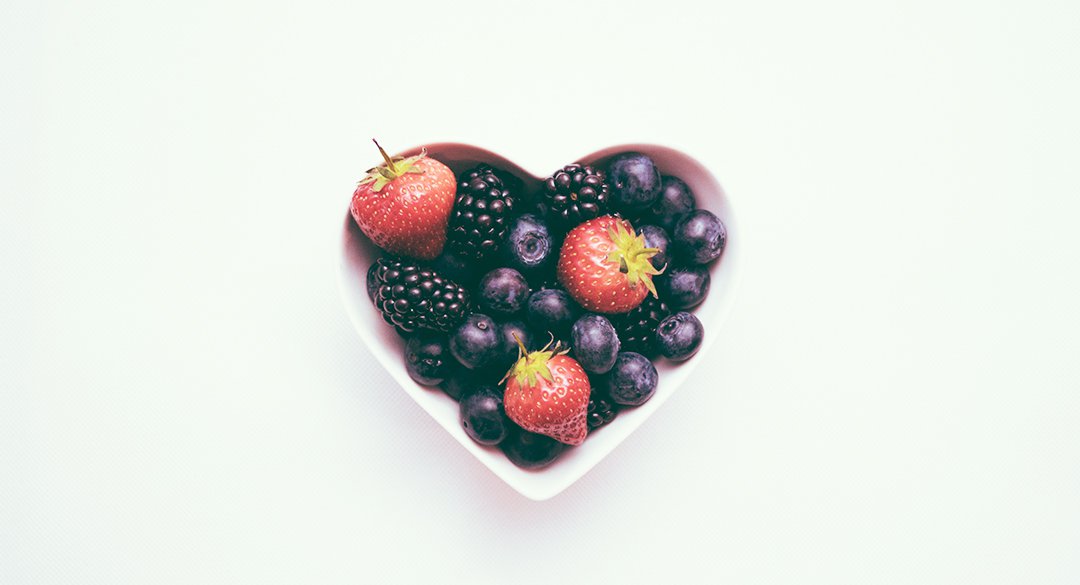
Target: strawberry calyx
point(633, 256)
point(533, 365)
point(392, 168)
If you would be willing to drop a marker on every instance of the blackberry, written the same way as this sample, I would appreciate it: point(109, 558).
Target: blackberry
point(601, 411)
point(637, 329)
point(411, 297)
point(574, 194)
point(481, 214)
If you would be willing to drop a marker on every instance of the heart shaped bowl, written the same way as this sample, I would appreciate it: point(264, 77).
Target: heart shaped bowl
point(357, 253)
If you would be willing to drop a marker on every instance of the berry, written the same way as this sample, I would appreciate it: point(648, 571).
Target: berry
point(635, 181)
point(503, 292)
point(412, 297)
point(684, 287)
point(456, 386)
point(637, 329)
point(605, 266)
point(463, 382)
point(632, 381)
point(675, 201)
point(530, 450)
point(510, 333)
point(548, 393)
point(656, 237)
point(482, 416)
point(458, 269)
point(552, 310)
point(679, 336)
point(529, 247)
point(601, 411)
point(595, 343)
point(476, 341)
point(372, 281)
point(403, 205)
point(699, 237)
point(427, 359)
point(574, 194)
point(481, 212)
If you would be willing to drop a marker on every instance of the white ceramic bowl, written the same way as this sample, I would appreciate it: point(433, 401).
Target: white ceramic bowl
point(357, 254)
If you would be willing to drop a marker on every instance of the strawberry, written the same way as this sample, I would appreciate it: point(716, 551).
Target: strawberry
point(404, 205)
point(605, 266)
point(548, 393)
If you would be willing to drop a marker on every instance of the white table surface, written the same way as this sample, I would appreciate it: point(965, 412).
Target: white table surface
point(893, 400)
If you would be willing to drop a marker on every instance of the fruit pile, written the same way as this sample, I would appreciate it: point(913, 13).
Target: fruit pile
point(539, 314)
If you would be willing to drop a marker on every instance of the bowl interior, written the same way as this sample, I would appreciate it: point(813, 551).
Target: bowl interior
point(357, 253)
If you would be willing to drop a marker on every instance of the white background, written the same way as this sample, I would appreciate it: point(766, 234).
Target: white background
point(893, 400)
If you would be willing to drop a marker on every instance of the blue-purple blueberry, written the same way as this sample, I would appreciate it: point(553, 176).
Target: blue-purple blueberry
point(699, 237)
point(476, 342)
point(684, 287)
point(632, 380)
point(679, 336)
point(634, 181)
point(530, 450)
point(503, 292)
point(427, 358)
point(552, 310)
point(529, 247)
point(483, 417)
point(463, 382)
point(674, 202)
point(458, 269)
point(595, 343)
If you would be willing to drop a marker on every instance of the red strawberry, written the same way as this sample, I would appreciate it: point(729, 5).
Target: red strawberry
point(548, 393)
point(605, 266)
point(404, 204)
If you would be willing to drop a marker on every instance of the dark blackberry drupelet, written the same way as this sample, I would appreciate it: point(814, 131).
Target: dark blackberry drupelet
point(574, 194)
point(411, 297)
point(601, 410)
point(637, 329)
point(481, 215)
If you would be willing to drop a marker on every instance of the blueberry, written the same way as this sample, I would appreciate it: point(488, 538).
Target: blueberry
point(463, 382)
point(684, 287)
point(483, 417)
point(456, 386)
point(552, 310)
point(656, 237)
point(427, 358)
point(372, 283)
point(635, 181)
point(530, 450)
point(699, 237)
point(679, 336)
point(595, 343)
point(632, 380)
point(529, 247)
point(509, 353)
point(503, 292)
point(476, 341)
point(456, 268)
point(675, 201)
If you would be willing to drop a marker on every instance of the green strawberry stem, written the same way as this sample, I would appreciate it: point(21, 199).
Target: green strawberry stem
point(392, 168)
point(386, 157)
point(633, 257)
point(529, 366)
